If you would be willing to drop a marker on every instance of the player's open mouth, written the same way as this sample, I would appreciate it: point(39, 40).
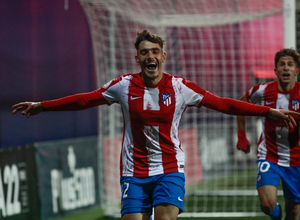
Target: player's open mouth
point(151, 66)
point(286, 75)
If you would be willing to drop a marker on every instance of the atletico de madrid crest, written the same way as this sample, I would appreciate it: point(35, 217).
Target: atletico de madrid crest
point(167, 99)
point(295, 104)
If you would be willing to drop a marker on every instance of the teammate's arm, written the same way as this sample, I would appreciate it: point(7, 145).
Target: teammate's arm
point(243, 143)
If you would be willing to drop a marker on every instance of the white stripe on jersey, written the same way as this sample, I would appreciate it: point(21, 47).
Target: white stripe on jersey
point(153, 148)
point(258, 95)
point(151, 99)
point(282, 133)
point(262, 146)
point(126, 152)
point(179, 109)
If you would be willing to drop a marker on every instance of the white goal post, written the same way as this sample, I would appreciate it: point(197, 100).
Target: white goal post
point(225, 46)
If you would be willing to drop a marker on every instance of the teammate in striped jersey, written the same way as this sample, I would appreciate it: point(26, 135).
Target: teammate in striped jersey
point(278, 150)
point(152, 161)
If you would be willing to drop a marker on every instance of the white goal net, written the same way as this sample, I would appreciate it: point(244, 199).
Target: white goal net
point(225, 46)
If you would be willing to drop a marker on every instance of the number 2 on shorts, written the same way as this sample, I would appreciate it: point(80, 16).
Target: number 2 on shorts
point(125, 188)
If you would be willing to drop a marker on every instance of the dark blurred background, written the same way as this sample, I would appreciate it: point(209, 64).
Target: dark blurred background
point(45, 53)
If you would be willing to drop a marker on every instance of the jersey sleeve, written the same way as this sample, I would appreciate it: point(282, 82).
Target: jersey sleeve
point(193, 94)
point(112, 90)
point(255, 94)
point(79, 101)
point(234, 107)
point(107, 94)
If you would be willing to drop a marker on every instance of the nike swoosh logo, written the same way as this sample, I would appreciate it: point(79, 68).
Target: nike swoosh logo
point(269, 103)
point(134, 98)
point(179, 199)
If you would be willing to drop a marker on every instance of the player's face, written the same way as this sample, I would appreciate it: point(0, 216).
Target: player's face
point(286, 70)
point(150, 57)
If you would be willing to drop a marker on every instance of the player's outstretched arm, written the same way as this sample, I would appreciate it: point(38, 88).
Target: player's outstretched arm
point(242, 144)
point(28, 108)
point(238, 107)
point(74, 102)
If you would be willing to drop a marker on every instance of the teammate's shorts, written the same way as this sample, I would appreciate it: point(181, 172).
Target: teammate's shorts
point(270, 174)
point(141, 194)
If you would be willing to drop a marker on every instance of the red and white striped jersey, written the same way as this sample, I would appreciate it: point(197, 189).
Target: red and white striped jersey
point(277, 143)
point(151, 118)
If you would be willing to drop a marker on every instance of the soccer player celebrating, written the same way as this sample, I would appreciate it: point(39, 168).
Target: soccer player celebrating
point(152, 101)
point(278, 150)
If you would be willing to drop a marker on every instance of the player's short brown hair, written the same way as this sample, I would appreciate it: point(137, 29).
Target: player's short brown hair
point(148, 36)
point(287, 52)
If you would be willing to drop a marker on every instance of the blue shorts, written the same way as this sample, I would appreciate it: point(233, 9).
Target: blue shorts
point(270, 174)
point(141, 194)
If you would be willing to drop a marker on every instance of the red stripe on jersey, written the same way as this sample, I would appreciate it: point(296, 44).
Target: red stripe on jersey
point(168, 154)
point(293, 135)
point(270, 133)
point(135, 103)
point(294, 146)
